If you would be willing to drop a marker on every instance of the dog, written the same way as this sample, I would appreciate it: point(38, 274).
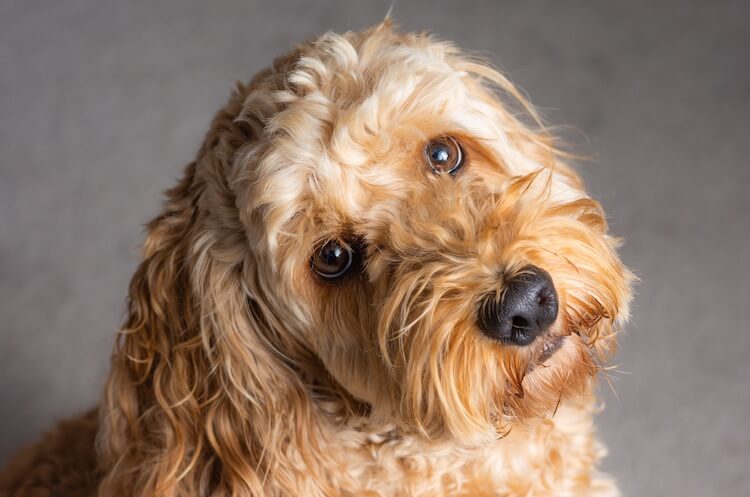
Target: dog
point(379, 277)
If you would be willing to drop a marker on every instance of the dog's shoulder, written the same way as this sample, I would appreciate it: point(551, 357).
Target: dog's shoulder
point(61, 464)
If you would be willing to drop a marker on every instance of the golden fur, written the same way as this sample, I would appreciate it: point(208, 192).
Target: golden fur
point(239, 373)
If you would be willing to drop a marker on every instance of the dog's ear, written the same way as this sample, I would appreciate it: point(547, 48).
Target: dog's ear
point(200, 385)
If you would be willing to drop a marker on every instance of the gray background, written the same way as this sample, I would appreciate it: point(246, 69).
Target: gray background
point(103, 102)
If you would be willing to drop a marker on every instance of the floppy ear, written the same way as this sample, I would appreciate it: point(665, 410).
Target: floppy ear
point(200, 378)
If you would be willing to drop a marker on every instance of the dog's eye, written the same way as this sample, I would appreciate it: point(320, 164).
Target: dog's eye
point(332, 260)
point(444, 155)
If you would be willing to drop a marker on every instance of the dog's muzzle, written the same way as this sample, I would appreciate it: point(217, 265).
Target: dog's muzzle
point(527, 308)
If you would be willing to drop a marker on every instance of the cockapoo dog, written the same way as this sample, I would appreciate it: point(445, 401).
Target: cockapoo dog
point(378, 278)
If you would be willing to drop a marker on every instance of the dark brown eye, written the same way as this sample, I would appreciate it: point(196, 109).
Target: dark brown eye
point(332, 260)
point(444, 155)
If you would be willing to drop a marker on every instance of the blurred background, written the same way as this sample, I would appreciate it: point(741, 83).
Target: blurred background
point(102, 103)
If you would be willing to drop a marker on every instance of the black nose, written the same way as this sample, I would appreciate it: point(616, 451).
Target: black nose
point(526, 310)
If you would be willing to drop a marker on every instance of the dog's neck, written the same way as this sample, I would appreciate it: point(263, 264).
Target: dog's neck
point(383, 459)
point(376, 455)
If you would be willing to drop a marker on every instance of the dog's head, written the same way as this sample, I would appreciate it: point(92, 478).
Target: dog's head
point(370, 222)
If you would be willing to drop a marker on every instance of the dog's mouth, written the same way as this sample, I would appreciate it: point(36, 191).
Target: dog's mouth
point(551, 345)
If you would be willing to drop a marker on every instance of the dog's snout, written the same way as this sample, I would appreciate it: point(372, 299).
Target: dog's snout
point(527, 308)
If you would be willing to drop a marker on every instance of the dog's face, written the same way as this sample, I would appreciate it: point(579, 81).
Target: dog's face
point(430, 248)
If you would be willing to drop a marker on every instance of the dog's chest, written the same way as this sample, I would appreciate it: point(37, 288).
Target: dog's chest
point(549, 458)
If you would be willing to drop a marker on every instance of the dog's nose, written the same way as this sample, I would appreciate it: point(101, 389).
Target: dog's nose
point(528, 307)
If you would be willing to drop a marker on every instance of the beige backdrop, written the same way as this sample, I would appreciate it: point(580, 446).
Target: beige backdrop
point(103, 102)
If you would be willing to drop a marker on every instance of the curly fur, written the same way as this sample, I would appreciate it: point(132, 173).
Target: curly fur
point(238, 373)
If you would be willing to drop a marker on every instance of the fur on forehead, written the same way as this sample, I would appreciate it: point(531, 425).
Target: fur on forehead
point(353, 107)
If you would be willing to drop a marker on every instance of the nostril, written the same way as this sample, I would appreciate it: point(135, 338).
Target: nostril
point(520, 323)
